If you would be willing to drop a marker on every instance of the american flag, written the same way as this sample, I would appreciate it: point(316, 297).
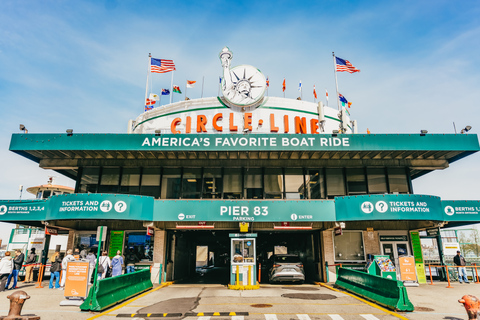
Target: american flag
point(345, 65)
point(161, 65)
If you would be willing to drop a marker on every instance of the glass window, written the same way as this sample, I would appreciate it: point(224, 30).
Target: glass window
point(273, 183)
point(397, 180)
point(335, 182)
point(141, 244)
point(109, 180)
point(192, 183)
point(294, 184)
point(130, 182)
point(349, 246)
point(356, 183)
point(89, 181)
point(171, 183)
point(253, 183)
point(150, 182)
point(377, 181)
point(315, 184)
point(243, 251)
point(232, 183)
point(212, 183)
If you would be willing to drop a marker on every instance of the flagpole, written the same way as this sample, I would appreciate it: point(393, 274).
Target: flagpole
point(171, 91)
point(160, 101)
point(148, 73)
point(336, 82)
point(185, 90)
point(326, 94)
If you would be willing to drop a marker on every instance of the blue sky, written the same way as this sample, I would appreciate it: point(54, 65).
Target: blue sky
point(83, 65)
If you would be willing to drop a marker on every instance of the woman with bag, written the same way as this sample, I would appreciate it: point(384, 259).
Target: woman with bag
point(56, 266)
point(117, 263)
point(6, 267)
point(105, 262)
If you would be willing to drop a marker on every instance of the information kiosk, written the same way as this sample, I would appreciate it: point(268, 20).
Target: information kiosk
point(243, 275)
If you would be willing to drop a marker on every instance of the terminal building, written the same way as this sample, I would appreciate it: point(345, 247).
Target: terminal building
point(295, 175)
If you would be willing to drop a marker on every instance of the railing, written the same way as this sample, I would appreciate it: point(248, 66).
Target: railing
point(474, 267)
point(337, 265)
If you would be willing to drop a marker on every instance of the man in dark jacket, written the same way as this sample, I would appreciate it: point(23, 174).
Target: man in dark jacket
point(31, 259)
point(17, 265)
point(459, 261)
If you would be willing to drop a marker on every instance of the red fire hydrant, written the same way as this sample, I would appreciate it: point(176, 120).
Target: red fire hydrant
point(471, 304)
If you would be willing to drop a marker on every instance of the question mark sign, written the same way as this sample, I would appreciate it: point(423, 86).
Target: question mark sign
point(120, 206)
point(381, 206)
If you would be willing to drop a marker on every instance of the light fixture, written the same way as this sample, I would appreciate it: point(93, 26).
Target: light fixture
point(335, 133)
point(423, 132)
point(466, 129)
point(69, 132)
point(157, 132)
point(192, 180)
point(22, 128)
point(195, 227)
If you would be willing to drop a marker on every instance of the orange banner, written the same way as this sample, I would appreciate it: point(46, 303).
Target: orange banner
point(407, 269)
point(77, 279)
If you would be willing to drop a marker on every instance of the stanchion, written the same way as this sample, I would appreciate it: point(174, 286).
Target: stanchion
point(476, 272)
point(430, 270)
point(40, 276)
point(448, 279)
point(237, 276)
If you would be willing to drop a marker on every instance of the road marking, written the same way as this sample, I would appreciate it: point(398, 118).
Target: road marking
point(303, 316)
point(270, 316)
point(335, 317)
point(204, 318)
point(363, 300)
point(369, 316)
point(238, 318)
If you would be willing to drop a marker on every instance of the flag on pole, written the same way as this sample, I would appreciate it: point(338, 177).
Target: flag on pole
point(176, 89)
point(268, 83)
point(342, 99)
point(314, 92)
point(191, 84)
point(326, 94)
point(220, 78)
point(165, 92)
point(150, 102)
point(349, 104)
point(283, 87)
point(161, 65)
point(300, 86)
point(148, 108)
point(344, 65)
point(154, 97)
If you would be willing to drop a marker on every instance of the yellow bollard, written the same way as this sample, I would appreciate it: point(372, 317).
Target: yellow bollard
point(249, 276)
point(237, 280)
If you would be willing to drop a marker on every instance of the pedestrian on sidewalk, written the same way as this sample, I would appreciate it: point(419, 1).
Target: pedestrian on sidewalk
point(6, 268)
point(459, 261)
point(17, 265)
point(104, 260)
point(117, 264)
point(130, 261)
point(68, 258)
point(31, 259)
point(55, 267)
point(92, 260)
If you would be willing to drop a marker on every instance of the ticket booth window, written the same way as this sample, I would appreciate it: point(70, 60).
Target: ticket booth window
point(141, 244)
point(243, 251)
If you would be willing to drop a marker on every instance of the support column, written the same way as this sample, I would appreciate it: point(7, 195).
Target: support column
point(328, 255)
point(159, 247)
point(71, 239)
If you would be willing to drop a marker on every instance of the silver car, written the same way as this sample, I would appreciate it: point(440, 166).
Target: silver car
point(286, 268)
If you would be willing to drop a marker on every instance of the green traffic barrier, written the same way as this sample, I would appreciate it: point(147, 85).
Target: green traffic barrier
point(386, 292)
point(111, 291)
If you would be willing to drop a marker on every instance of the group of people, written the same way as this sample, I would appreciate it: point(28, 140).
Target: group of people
point(11, 266)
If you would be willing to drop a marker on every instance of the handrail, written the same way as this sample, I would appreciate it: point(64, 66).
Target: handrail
point(448, 275)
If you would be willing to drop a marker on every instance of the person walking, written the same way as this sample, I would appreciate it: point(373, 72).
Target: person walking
point(17, 265)
point(68, 258)
point(130, 261)
point(104, 260)
point(31, 259)
point(459, 261)
point(92, 260)
point(55, 267)
point(117, 264)
point(6, 268)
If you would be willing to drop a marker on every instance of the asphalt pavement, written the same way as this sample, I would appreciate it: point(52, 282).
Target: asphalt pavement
point(270, 302)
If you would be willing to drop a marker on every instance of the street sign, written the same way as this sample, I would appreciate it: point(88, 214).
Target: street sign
point(432, 232)
point(150, 231)
point(104, 233)
point(51, 231)
point(338, 231)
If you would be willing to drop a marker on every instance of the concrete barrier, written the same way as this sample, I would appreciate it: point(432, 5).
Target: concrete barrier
point(111, 291)
point(389, 293)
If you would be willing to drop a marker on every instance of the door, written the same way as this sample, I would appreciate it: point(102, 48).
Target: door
point(395, 250)
point(387, 250)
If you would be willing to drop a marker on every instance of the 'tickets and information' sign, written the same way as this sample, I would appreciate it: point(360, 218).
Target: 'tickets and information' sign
point(77, 279)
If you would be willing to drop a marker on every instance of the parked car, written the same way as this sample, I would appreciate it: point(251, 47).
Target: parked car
point(285, 268)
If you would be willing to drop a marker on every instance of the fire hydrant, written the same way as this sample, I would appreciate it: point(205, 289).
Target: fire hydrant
point(17, 299)
point(471, 304)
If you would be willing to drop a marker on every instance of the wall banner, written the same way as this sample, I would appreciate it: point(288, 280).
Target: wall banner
point(461, 210)
point(388, 207)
